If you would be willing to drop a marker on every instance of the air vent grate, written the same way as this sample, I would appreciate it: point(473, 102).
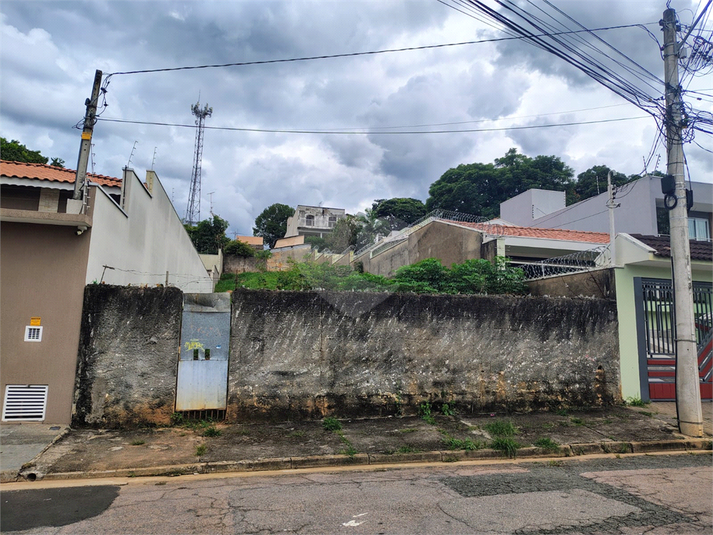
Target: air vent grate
point(33, 334)
point(25, 402)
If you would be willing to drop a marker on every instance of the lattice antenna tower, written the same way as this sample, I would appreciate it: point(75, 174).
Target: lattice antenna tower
point(193, 210)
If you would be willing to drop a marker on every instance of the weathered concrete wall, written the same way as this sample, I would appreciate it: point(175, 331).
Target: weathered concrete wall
point(241, 264)
point(311, 354)
point(598, 283)
point(128, 356)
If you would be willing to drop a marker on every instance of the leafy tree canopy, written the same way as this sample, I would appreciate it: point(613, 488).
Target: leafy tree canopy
point(344, 234)
point(479, 188)
point(209, 235)
point(271, 224)
point(239, 248)
point(593, 181)
point(14, 151)
point(400, 212)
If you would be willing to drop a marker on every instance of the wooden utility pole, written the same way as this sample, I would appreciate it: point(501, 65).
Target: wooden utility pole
point(86, 146)
point(688, 390)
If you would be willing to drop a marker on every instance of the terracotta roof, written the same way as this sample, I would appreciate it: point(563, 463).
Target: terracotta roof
point(533, 232)
point(700, 250)
point(39, 171)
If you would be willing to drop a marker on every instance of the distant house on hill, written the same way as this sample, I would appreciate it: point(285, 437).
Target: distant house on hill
point(123, 231)
point(313, 221)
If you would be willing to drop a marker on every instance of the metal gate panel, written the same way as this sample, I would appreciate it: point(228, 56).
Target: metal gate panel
point(203, 362)
point(657, 341)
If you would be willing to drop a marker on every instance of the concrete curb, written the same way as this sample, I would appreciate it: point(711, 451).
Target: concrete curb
point(364, 459)
point(8, 476)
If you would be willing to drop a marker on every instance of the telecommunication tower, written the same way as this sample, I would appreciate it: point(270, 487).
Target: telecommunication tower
point(193, 210)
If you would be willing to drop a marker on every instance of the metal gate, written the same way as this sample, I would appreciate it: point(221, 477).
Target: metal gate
point(203, 362)
point(657, 337)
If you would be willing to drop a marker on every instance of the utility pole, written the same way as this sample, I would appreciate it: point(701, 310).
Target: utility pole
point(611, 205)
point(688, 390)
point(86, 146)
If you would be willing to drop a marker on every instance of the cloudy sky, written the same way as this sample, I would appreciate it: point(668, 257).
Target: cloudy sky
point(51, 49)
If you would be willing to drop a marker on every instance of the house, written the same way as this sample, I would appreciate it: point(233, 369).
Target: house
point(123, 231)
point(640, 210)
point(454, 242)
point(313, 221)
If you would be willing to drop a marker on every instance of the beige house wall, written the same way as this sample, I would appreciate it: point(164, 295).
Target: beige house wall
point(450, 243)
point(42, 274)
point(142, 240)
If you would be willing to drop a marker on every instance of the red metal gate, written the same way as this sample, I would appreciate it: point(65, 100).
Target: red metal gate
point(657, 325)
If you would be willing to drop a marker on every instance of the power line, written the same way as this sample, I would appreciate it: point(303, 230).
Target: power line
point(372, 132)
point(369, 53)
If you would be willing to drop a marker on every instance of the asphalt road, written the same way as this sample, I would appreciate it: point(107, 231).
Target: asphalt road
point(656, 494)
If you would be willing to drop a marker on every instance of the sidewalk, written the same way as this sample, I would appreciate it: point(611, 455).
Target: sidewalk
point(200, 447)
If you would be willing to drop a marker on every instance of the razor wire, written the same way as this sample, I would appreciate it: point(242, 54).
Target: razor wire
point(588, 260)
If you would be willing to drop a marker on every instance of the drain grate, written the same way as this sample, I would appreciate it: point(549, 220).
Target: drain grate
point(25, 402)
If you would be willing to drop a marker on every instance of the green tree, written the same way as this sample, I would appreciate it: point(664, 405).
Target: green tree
point(344, 234)
point(479, 188)
point(239, 248)
point(209, 235)
point(400, 212)
point(15, 151)
point(271, 224)
point(593, 181)
point(57, 162)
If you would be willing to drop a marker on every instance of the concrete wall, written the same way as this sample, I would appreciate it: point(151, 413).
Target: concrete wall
point(597, 283)
point(530, 205)
point(143, 240)
point(241, 264)
point(438, 239)
point(128, 356)
point(359, 354)
point(42, 273)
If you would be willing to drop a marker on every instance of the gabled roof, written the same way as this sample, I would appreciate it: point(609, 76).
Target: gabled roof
point(39, 171)
point(543, 233)
point(700, 250)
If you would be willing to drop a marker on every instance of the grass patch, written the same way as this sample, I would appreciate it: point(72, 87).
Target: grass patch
point(228, 281)
point(507, 445)
point(647, 413)
point(297, 434)
point(501, 428)
point(466, 444)
point(331, 424)
point(636, 402)
point(407, 449)
point(577, 421)
point(201, 449)
point(547, 443)
point(562, 412)
point(448, 410)
point(408, 430)
point(138, 442)
point(350, 450)
point(424, 411)
point(211, 431)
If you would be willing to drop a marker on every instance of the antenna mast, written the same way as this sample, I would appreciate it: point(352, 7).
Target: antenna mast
point(193, 210)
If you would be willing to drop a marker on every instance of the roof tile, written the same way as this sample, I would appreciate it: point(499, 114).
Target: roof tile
point(38, 171)
point(700, 250)
point(533, 232)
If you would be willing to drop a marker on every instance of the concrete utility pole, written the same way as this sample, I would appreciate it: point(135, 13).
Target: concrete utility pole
point(688, 390)
point(612, 232)
point(86, 146)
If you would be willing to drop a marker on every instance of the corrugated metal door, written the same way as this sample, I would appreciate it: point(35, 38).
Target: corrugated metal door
point(203, 362)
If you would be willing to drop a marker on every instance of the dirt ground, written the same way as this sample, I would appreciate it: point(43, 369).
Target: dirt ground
point(91, 449)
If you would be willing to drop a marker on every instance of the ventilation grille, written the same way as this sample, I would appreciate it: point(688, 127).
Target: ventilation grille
point(25, 402)
point(33, 334)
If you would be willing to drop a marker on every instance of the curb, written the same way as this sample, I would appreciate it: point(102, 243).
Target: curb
point(8, 476)
point(367, 459)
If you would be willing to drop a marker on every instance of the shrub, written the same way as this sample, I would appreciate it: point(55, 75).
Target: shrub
point(239, 248)
point(331, 424)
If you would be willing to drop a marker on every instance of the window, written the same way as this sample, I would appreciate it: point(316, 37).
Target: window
point(309, 221)
point(332, 221)
point(698, 229)
point(33, 334)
